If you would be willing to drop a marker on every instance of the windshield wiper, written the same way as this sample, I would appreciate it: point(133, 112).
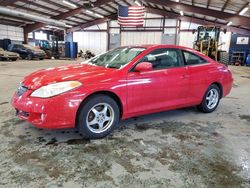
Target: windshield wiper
point(112, 67)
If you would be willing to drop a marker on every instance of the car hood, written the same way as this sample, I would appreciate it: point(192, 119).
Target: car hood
point(38, 50)
point(9, 53)
point(83, 73)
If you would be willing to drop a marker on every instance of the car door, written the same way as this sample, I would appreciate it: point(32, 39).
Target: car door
point(162, 88)
point(17, 48)
point(22, 50)
point(198, 69)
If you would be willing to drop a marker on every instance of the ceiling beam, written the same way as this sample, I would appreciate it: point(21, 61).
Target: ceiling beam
point(42, 11)
point(166, 14)
point(197, 20)
point(225, 5)
point(236, 19)
point(245, 5)
point(95, 22)
point(10, 22)
point(8, 2)
point(30, 28)
point(208, 3)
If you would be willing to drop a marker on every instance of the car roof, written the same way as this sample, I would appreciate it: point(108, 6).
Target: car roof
point(159, 46)
point(148, 46)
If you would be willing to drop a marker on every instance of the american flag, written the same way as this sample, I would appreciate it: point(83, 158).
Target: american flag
point(131, 15)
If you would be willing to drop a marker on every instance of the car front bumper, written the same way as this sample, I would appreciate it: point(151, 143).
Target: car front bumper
point(51, 113)
point(9, 57)
point(38, 55)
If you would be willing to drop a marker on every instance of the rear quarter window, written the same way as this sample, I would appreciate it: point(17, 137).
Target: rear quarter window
point(193, 59)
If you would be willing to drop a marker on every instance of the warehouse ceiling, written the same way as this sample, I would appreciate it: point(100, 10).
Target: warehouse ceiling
point(78, 14)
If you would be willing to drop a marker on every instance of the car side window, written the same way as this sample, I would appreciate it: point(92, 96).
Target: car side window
point(16, 46)
point(163, 58)
point(193, 59)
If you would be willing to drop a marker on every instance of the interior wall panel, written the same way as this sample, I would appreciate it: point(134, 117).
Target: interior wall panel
point(187, 39)
point(11, 32)
point(138, 38)
point(96, 42)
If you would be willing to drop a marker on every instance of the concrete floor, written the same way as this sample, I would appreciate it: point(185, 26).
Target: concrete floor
point(180, 148)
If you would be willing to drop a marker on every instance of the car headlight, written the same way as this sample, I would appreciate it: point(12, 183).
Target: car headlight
point(55, 89)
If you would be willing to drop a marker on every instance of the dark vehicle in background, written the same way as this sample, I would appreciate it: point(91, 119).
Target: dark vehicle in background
point(26, 51)
point(5, 55)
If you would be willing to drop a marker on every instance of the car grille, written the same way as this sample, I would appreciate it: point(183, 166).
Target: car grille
point(22, 113)
point(21, 90)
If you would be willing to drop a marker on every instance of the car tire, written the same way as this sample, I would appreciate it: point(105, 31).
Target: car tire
point(97, 117)
point(211, 99)
point(14, 59)
point(41, 58)
point(29, 56)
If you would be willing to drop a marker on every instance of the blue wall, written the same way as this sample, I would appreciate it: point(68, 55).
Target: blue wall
point(233, 44)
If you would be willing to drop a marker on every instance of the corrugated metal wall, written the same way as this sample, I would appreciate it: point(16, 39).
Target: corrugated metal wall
point(133, 38)
point(97, 41)
point(93, 41)
point(11, 32)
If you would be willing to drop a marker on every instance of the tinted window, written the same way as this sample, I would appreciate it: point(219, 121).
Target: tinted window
point(163, 58)
point(193, 59)
point(10, 47)
point(17, 46)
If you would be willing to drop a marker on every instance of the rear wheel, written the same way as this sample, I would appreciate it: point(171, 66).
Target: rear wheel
point(98, 117)
point(211, 99)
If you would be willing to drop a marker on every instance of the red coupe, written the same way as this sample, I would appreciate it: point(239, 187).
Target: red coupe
point(119, 84)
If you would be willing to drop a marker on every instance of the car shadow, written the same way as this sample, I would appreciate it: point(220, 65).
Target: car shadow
point(47, 137)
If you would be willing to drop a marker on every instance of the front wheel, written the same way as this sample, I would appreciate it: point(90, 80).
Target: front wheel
point(211, 99)
point(98, 117)
point(29, 56)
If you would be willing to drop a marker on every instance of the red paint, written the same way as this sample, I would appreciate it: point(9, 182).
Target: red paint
point(144, 66)
point(139, 92)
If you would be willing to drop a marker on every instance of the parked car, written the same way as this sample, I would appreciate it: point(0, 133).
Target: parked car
point(5, 55)
point(26, 51)
point(122, 83)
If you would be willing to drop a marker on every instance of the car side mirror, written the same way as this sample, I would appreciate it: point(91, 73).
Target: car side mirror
point(143, 67)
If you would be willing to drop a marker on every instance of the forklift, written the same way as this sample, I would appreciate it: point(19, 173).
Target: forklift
point(207, 41)
point(50, 47)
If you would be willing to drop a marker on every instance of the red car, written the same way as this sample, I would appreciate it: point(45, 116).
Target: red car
point(122, 83)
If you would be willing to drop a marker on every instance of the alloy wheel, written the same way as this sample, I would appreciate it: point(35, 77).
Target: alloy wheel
point(100, 118)
point(212, 98)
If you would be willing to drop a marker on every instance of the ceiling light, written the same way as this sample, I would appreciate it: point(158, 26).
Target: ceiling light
point(243, 11)
point(98, 15)
point(177, 1)
point(90, 12)
point(181, 13)
point(69, 26)
point(69, 3)
point(53, 27)
point(138, 3)
point(229, 23)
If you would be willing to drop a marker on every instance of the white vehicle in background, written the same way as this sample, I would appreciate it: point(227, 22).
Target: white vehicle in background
point(5, 55)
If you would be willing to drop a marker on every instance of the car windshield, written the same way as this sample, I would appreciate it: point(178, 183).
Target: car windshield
point(116, 58)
